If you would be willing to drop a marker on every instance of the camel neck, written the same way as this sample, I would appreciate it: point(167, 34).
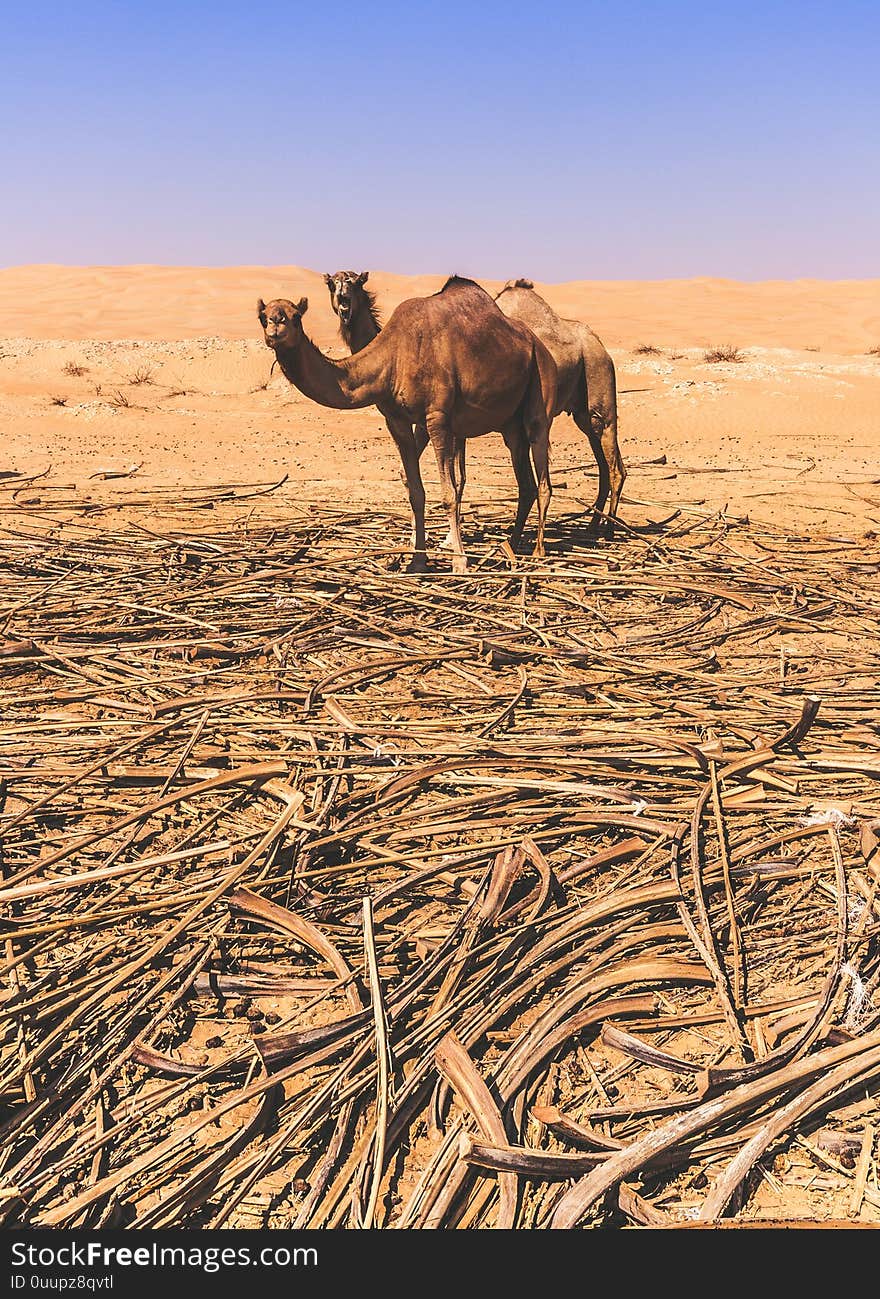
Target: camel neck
point(339, 384)
point(359, 332)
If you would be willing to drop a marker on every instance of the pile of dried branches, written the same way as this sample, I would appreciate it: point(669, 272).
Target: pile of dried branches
point(543, 896)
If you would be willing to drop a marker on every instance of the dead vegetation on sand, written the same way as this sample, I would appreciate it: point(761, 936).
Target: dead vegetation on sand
point(542, 896)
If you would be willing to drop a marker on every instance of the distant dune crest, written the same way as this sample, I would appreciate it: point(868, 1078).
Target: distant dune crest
point(177, 302)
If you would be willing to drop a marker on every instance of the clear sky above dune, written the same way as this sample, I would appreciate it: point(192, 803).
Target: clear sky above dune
point(558, 139)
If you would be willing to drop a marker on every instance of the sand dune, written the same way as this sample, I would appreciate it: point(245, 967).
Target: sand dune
point(173, 302)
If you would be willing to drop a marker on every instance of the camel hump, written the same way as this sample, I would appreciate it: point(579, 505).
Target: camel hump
point(460, 282)
point(514, 284)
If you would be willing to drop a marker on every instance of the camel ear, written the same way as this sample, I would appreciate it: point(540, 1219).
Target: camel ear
point(363, 277)
point(302, 306)
point(328, 280)
point(261, 311)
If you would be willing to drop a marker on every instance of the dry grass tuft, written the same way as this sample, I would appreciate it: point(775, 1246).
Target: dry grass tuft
point(727, 352)
point(75, 369)
point(143, 374)
point(647, 349)
point(58, 401)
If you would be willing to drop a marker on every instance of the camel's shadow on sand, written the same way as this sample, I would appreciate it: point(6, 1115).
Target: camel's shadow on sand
point(568, 535)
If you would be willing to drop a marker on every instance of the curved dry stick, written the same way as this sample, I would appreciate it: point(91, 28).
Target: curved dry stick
point(382, 1053)
point(505, 872)
point(508, 708)
point(460, 1072)
point(258, 773)
point(820, 1091)
point(577, 1134)
point(542, 1165)
point(252, 904)
point(624, 1042)
point(644, 1152)
point(704, 943)
point(714, 1078)
point(738, 992)
point(82, 878)
point(511, 1074)
point(796, 733)
point(640, 1210)
point(381, 666)
point(534, 903)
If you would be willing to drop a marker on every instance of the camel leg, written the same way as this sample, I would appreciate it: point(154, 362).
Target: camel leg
point(616, 469)
point(420, 434)
point(585, 424)
point(541, 458)
point(445, 450)
point(460, 478)
point(408, 451)
point(520, 458)
point(602, 433)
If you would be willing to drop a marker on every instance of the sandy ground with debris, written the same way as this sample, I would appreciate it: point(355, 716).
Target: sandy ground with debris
point(133, 383)
point(159, 373)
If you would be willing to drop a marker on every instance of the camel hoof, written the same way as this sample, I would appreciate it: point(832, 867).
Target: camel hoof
point(459, 564)
point(446, 543)
point(538, 552)
point(418, 564)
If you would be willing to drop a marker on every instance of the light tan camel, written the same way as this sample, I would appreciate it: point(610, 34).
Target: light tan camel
point(452, 362)
point(359, 323)
point(587, 388)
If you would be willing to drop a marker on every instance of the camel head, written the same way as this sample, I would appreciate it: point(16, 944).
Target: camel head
point(282, 321)
point(346, 290)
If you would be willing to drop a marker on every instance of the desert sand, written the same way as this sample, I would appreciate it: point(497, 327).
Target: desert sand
point(167, 649)
point(160, 373)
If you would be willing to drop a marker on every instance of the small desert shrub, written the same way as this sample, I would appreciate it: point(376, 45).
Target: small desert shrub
point(647, 349)
point(119, 399)
point(58, 401)
point(74, 369)
point(143, 374)
point(873, 351)
point(726, 353)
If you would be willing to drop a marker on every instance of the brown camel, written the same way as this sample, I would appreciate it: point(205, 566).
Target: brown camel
point(452, 362)
point(359, 324)
point(587, 388)
point(355, 305)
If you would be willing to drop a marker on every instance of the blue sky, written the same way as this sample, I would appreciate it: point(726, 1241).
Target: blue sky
point(559, 140)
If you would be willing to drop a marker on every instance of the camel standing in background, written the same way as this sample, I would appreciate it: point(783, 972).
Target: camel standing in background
point(452, 362)
point(359, 324)
point(587, 387)
point(355, 305)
